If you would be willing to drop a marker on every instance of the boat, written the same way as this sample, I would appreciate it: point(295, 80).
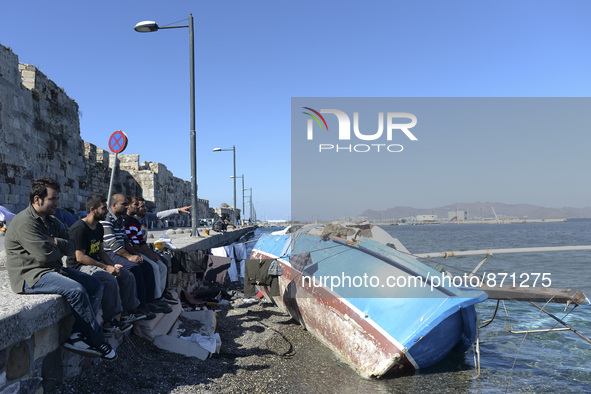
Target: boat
point(365, 296)
point(333, 282)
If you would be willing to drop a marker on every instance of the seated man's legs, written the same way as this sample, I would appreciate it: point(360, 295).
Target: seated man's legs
point(131, 285)
point(111, 301)
point(72, 287)
point(160, 271)
point(144, 278)
point(128, 290)
point(150, 282)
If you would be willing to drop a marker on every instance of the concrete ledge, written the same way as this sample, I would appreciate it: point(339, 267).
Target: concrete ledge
point(21, 315)
point(187, 243)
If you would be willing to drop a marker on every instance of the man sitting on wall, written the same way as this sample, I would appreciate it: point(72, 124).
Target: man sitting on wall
point(139, 246)
point(119, 284)
point(120, 252)
point(35, 244)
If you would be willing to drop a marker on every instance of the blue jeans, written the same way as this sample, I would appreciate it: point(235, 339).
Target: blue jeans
point(144, 277)
point(83, 293)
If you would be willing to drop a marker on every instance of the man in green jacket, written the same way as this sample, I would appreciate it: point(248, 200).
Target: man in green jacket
point(35, 244)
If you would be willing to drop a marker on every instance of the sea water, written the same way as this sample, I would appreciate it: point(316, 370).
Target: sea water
point(541, 362)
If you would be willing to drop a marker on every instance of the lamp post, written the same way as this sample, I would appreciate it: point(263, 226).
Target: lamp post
point(249, 201)
point(233, 149)
point(252, 215)
point(243, 211)
point(150, 26)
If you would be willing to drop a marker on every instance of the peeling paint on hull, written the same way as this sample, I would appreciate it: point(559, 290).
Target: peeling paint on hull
point(337, 325)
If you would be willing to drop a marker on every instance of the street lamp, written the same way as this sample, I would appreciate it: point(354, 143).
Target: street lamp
point(233, 149)
point(243, 212)
point(250, 202)
point(252, 211)
point(150, 26)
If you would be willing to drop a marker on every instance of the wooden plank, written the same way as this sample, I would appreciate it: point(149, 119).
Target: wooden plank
point(539, 294)
point(492, 252)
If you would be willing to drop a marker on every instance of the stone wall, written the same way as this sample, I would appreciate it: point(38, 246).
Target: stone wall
point(39, 133)
point(40, 136)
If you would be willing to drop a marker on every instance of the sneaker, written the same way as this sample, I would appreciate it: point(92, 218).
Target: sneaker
point(155, 308)
point(116, 327)
point(106, 352)
point(133, 316)
point(77, 344)
point(167, 297)
point(144, 311)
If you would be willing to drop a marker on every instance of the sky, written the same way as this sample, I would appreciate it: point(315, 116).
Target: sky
point(253, 57)
point(451, 149)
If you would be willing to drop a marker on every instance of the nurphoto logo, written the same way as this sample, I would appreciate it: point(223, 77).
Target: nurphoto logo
point(392, 127)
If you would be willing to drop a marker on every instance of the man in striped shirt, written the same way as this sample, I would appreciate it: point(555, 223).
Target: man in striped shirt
point(117, 247)
point(139, 246)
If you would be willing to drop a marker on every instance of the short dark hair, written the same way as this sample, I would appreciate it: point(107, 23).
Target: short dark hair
point(40, 185)
point(94, 201)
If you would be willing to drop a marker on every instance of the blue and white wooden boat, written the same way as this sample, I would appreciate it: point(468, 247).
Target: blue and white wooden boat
point(375, 325)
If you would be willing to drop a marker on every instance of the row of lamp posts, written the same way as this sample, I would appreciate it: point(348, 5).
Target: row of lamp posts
point(151, 26)
point(233, 149)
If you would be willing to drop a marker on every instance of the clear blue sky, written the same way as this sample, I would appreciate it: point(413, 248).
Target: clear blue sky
point(252, 57)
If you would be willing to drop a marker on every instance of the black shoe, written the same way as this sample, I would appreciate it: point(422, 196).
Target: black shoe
point(133, 316)
point(167, 297)
point(107, 352)
point(116, 327)
point(144, 311)
point(156, 308)
point(77, 344)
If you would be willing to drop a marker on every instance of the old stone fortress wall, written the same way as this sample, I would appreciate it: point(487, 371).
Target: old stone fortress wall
point(40, 136)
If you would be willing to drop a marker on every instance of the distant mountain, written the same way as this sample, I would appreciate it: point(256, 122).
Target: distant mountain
point(478, 210)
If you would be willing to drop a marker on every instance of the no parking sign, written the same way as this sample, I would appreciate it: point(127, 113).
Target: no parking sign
point(118, 141)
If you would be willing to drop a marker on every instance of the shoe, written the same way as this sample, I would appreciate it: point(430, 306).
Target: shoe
point(133, 316)
point(144, 311)
point(163, 303)
point(77, 344)
point(167, 297)
point(117, 327)
point(155, 308)
point(106, 352)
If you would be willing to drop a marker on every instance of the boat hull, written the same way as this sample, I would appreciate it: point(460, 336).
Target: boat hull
point(377, 346)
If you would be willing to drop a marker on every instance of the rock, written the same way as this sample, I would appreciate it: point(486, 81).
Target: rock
point(176, 345)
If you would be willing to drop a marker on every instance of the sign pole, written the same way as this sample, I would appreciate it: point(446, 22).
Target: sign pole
point(111, 182)
point(117, 144)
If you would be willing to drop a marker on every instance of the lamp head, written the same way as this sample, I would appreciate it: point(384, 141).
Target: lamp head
point(217, 149)
point(146, 27)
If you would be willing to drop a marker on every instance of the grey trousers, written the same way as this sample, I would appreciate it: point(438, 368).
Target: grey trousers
point(119, 292)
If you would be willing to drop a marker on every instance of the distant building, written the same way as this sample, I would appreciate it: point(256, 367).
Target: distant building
point(426, 218)
point(457, 215)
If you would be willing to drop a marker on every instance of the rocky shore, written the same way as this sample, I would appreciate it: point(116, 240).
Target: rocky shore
point(263, 350)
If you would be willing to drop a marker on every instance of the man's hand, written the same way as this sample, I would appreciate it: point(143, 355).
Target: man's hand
point(136, 258)
point(185, 209)
point(113, 270)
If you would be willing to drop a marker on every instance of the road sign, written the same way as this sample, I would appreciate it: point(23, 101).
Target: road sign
point(118, 142)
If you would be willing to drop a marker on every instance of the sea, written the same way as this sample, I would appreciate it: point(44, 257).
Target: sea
point(503, 361)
